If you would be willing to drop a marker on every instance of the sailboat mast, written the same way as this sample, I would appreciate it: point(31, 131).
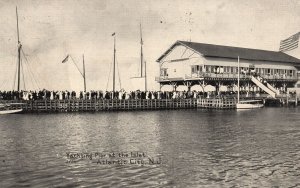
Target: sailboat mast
point(145, 76)
point(17, 24)
point(238, 79)
point(83, 73)
point(141, 50)
point(19, 51)
point(114, 65)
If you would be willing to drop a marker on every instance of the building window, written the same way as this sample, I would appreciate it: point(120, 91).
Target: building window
point(163, 72)
point(196, 69)
point(243, 70)
point(219, 69)
point(226, 69)
point(281, 72)
point(193, 69)
point(207, 68)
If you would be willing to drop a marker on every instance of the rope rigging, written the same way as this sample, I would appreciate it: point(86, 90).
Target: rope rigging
point(109, 74)
point(36, 59)
point(110, 68)
point(15, 77)
point(4, 84)
point(76, 66)
point(29, 70)
point(118, 73)
point(24, 86)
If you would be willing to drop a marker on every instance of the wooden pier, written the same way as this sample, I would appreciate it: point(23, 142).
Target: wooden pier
point(77, 105)
point(217, 103)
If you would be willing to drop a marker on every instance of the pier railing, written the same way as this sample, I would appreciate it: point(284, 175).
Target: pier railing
point(77, 105)
point(217, 103)
point(233, 76)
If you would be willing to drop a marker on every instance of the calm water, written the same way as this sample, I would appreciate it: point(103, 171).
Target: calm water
point(192, 148)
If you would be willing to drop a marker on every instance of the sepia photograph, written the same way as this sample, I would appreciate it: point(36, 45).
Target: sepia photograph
point(148, 93)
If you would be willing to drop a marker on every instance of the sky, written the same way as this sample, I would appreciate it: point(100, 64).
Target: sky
point(51, 29)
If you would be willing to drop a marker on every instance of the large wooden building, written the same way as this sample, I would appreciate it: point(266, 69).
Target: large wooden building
point(190, 63)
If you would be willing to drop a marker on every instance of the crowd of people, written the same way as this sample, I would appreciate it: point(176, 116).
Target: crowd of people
point(62, 95)
point(106, 95)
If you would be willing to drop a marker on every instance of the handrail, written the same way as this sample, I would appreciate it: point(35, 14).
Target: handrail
point(232, 76)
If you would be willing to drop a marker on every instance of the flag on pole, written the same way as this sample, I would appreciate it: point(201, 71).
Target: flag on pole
point(113, 34)
point(66, 59)
point(290, 43)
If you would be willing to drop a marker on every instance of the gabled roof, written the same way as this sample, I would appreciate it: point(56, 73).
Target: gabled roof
point(212, 50)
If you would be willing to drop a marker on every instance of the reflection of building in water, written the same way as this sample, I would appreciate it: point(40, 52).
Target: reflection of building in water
point(191, 64)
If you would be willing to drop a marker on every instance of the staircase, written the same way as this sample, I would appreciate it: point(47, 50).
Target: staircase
point(272, 88)
point(265, 86)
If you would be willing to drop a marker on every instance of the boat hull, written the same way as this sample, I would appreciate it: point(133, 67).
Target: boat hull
point(10, 111)
point(248, 106)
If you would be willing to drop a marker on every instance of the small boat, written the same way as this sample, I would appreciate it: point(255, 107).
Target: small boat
point(249, 104)
point(10, 111)
point(5, 109)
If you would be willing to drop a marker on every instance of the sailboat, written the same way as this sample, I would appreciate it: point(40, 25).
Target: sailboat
point(7, 108)
point(246, 104)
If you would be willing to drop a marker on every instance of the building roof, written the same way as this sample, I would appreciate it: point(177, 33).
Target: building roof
point(212, 50)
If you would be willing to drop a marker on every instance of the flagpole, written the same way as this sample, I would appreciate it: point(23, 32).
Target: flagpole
point(145, 77)
point(114, 65)
point(141, 50)
point(238, 79)
point(83, 64)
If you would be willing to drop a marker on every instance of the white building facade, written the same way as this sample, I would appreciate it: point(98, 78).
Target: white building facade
point(189, 64)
